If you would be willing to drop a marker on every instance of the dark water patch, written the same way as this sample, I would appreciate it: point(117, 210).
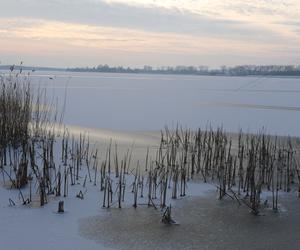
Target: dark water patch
point(256, 106)
point(289, 91)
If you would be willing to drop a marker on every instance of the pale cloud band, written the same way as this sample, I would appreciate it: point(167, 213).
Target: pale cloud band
point(135, 32)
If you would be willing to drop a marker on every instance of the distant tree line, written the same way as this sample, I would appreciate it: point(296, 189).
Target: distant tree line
point(267, 70)
point(241, 70)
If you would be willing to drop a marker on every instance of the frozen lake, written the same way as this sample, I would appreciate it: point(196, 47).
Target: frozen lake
point(131, 102)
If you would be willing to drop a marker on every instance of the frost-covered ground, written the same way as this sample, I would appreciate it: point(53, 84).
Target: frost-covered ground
point(34, 227)
point(27, 227)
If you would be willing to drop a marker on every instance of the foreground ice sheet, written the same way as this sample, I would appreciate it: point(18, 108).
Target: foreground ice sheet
point(205, 223)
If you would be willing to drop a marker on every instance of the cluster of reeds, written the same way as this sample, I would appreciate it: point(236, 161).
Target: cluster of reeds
point(240, 168)
point(15, 110)
point(15, 116)
point(26, 142)
point(114, 168)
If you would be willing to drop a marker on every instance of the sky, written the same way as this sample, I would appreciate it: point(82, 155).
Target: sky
point(69, 33)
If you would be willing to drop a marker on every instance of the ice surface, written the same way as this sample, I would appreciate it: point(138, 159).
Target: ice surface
point(205, 223)
point(149, 102)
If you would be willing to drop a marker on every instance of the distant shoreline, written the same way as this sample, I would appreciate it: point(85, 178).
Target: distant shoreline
point(120, 70)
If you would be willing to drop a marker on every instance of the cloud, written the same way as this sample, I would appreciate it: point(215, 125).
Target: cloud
point(249, 19)
point(233, 9)
point(80, 36)
point(39, 29)
point(224, 31)
point(197, 18)
point(102, 36)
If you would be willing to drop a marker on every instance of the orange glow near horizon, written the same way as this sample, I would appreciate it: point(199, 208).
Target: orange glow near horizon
point(118, 38)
